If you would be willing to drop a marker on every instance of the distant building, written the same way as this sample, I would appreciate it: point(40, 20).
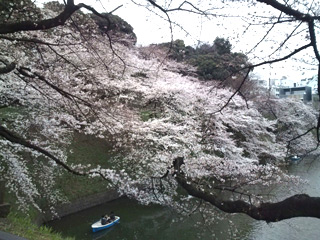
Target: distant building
point(301, 93)
point(275, 91)
point(260, 82)
point(313, 83)
point(277, 84)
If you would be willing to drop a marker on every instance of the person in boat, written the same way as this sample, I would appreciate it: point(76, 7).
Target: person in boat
point(112, 216)
point(107, 217)
point(104, 220)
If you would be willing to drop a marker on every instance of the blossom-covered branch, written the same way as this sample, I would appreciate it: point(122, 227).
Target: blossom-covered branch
point(300, 205)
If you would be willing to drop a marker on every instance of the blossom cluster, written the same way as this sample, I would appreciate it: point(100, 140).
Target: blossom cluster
point(72, 79)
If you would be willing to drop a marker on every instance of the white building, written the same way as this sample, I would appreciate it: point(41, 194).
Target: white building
point(313, 83)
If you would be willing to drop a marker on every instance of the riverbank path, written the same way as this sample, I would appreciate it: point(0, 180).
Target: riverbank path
point(8, 236)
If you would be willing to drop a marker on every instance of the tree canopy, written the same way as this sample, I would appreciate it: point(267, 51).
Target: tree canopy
point(213, 62)
point(60, 75)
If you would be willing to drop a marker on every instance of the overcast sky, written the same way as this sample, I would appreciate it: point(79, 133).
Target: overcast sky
point(150, 26)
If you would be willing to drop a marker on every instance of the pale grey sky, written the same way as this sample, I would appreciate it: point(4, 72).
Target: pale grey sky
point(152, 27)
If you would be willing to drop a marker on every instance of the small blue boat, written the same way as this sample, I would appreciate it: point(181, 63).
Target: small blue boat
point(295, 158)
point(97, 226)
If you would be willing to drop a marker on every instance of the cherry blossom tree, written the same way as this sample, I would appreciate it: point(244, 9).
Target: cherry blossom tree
point(61, 74)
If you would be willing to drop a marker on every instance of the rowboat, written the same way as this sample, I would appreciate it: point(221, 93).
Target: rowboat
point(97, 226)
point(295, 158)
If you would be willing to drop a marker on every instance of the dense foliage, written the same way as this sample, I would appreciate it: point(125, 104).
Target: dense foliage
point(213, 61)
point(115, 27)
point(72, 79)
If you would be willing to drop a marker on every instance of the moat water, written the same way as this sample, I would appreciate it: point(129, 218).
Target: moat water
point(157, 222)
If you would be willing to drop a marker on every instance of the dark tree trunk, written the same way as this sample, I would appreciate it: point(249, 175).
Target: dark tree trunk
point(300, 205)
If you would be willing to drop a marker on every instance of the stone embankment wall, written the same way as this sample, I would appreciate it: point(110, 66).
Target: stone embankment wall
point(78, 205)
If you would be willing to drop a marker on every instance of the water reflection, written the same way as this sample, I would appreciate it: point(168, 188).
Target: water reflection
point(148, 222)
point(157, 223)
point(296, 228)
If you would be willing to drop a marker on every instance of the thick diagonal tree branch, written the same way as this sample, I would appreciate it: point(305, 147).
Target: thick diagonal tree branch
point(69, 9)
point(286, 9)
point(27, 73)
point(14, 138)
point(300, 205)
point(281, 59)
point(10, 136)
point(59, 20)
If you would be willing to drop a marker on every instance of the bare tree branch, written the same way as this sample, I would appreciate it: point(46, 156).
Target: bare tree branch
point(299, 136)
point(13, 138)
point(287, 39)
point(27, 72)
point(235, 92)
point(287, 10)
point(300, 205)
point(264, 37)
point(59, 20)
point(280, 59)
point(5, 133)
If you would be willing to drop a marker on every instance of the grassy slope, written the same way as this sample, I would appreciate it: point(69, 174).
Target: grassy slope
point(23, 227)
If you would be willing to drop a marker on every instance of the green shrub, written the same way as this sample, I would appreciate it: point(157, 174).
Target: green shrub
point(213, 62)
point(23, 227)
point(113, 23)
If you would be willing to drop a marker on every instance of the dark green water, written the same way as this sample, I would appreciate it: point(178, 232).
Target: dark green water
point(157, 222)
point(141, 222)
